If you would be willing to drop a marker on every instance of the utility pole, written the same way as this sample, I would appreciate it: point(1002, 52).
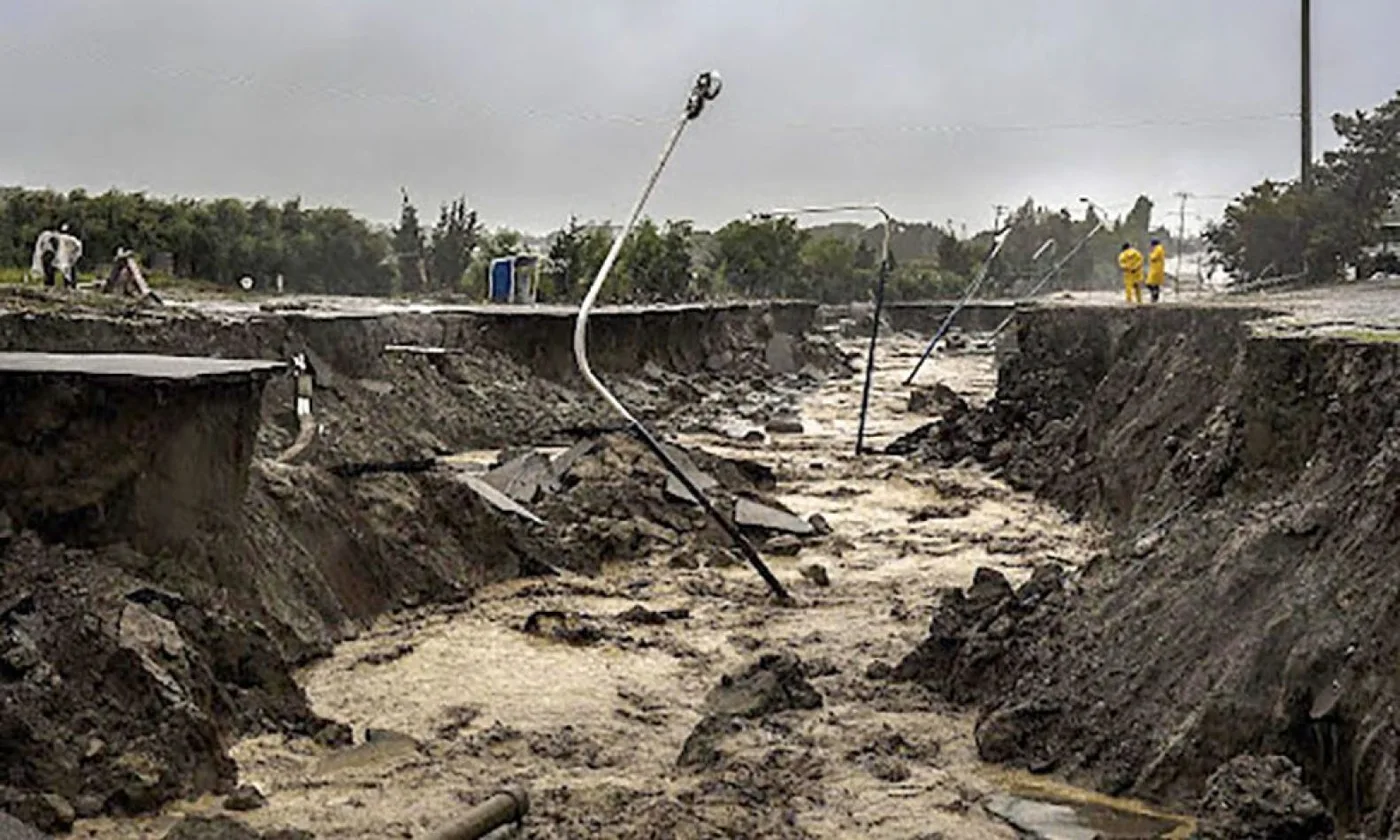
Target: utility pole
point(1180, 242)
point(1305, 106)
point(1000, 208)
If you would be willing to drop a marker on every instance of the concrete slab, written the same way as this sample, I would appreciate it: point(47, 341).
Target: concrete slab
point(524, 478)
point(675, 489)
point(497, 499)
point(132, 366)
point(751, 514)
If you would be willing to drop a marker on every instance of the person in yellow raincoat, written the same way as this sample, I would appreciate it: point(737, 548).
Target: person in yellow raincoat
point(1156, 269)
point(1130, 260)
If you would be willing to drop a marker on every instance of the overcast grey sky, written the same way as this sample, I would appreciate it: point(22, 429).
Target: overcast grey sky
point(536, 109)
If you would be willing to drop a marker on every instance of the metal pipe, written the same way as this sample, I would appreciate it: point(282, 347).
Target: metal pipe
point(502, 809)
point(706, 88)
point(998, 241)
point(883, 275)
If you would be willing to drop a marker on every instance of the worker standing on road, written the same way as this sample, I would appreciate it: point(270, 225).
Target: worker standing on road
point(1156, 269)
point(1130, 260)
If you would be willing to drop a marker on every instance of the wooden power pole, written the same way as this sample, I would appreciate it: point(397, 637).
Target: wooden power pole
point(1180, 242)
point(1305, 106)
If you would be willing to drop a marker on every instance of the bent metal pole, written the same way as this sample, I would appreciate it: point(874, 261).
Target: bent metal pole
point(882, 276)
point(997, 241)
point(707, 87)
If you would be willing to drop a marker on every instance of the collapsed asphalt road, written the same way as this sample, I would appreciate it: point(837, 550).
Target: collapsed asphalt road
point(667, 696)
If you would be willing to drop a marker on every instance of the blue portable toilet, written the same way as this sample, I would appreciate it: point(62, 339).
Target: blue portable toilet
point(507, 283)
point(501, 280)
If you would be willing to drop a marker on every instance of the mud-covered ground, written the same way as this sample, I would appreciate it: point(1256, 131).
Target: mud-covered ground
point(125, 669)
point(592, 714)
point(1233, 648)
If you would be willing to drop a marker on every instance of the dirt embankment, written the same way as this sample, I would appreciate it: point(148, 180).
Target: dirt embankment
point(203, 634)
point(1248, 604)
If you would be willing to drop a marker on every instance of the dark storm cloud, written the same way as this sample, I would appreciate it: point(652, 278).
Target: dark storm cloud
point(541, 108)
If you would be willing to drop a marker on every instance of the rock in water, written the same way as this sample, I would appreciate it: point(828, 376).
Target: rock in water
point(775, 683)
point(211, 828)
point(784, 426)
point(816, 574)
point(246, 798)
point(935, 400)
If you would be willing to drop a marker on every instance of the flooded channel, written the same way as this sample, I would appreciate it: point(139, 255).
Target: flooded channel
point(461, 702)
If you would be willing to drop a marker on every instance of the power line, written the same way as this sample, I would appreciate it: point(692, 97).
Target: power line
point(425, 99)
point(979, 128)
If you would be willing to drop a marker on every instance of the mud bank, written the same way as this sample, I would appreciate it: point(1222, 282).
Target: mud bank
point(205, 631)
point(147, 449)
point(1249, 601)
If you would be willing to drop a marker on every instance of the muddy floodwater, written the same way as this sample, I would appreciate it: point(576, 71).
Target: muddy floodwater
point(460, 702)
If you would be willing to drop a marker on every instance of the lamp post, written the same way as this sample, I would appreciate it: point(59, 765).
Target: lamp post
point(882, 276)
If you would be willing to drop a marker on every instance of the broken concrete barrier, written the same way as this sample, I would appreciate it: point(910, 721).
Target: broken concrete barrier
point(751, 514)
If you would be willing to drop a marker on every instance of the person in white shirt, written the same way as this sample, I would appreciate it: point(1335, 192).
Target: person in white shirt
point(57, 252)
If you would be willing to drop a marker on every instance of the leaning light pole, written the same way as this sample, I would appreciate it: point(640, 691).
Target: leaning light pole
point(706, 88)
point(998, 239)
point(882, 276)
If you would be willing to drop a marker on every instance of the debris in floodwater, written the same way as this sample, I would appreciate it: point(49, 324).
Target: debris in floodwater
point(816, 573)
point(936, 399)
point(455, 719)
point(496, 498)
point(384, 657)
point(561, 626)
point(776, 682)
point(639, 614)
point(784, 546)
point(751, 514)
point(675, 489)
point(1060, 821)
point(525, 477)
point(245, 798)
point(784, 426)
point(211, 828)
point(949, 509)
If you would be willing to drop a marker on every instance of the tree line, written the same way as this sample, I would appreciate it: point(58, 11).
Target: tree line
point(322, 249)
point(330, 250)
point(1316, 231)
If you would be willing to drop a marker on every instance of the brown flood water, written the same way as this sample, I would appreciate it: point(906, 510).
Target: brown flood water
point(593, 732)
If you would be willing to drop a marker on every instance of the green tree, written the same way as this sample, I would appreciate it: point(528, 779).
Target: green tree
point(576, 252)
point(1284, 228)
point(455, 238)
point(654, 265)
point(409, 247)
point(760, 258)
point(955, 256)
point(830, 269)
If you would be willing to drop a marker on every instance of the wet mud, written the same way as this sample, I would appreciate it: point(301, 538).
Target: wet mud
point(667, 695)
